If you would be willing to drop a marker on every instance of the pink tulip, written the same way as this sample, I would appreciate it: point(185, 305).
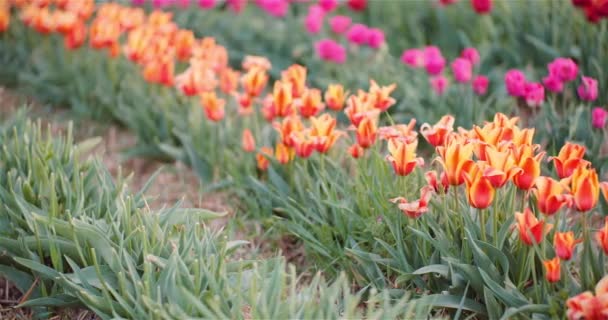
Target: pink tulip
point(206, 4)
point(587, 91)
point(413, 58)
point(470, 54)
point(534, 94)
point(237, 6)
point(339, 24)
point(329, 50)
point(375, 38)
point(598, 117)
point(357, 5)
point(565, 69)
point(553, 83)
point(182, 3)
point(439, 84)
point(275, 8)
point(328, 5)
point(515, 81)
point(462, 69)
point(481, 6)
point(314, 19)
point(434, 62)
point(358, 34)
point(480, 85)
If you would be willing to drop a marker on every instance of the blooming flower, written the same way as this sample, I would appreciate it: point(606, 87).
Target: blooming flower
point(403, 156)
point(375, 38)
point(598, 117)
point(248, 141)
point(358, 34)
point(588, 306)
point(480, 190)
point(564, 243)
point(455, 157)
point(564, 69)
point(275, 8)
point(569, 158)
point(515, 82)
point(335, 97)
point(462, 69)
point(416, 208)
point(206, 4)
point(356, 151)
point(213, 106)
point(329, 50)
point(314, 19)
point(434, 62)
point(553, 83)
point(534, 94)
point(482, 6)
point(366, 132)
point(439, 84)
point(328, 5)
point(437, 134)
point(339, 24)
point(357, 5)
point(549, 195)
point(585, 188)
point(587, 90)
point(552, 269)
point(262, 158)
point(531, 230)
point(470, 54)
point(283, 153)
point(310, 103)
point(480, 85)
point(602, 237)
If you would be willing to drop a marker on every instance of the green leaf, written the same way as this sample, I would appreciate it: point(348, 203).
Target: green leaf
point(451, 302)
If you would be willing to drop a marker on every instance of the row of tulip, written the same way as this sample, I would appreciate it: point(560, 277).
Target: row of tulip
point(498, 157)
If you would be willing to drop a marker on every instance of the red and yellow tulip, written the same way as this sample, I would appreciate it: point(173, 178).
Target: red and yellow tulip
point(531, 230)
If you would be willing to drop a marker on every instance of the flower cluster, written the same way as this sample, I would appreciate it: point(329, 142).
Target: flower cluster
point(561, 72)
point(431, 59)
point(594, 10)
point(479, 6)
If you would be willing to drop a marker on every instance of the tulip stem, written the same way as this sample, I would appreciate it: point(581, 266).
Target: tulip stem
point(482, 221)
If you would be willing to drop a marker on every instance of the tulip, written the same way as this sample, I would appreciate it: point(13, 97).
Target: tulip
point(416, 208)
point(214, 106)
point(322, 130)
point(470, 54)
point(296, 75)
point(283, 99)
point(358, 34)
point(531, 230)
point(328, 5)
point(413, 58)
point(76, 37)
point(275, 8)
point(563, 69)
point(183, 42)
point(564, 243)
point(403, 156)
point(195, 80)
point(462, 69)
point(356, 151)
point(399, 131)
point(339, 24)
point(303, 143)
point(160, 70)
point(439, 84)
point(587, 90)
point(254, 81)
point(569, 158)
point(549, 195)
point(534, 93)
point(335, 97)
point(229, 80)
point(248, 141)
point(434, 64)
point(585, 188)
point(310, 104)
point(262, 158)
point(330, 50)
point(256, 62)
point(286, 127)
point(206, 4)
point(587, 306)
point(359, 108)
point(357, 5)
point(529, 165)
point(515, 82)
point(552, 269)
point(602, 237)
point(501, 167)
point(455, 157)
point(366, 132)
point(437, 134)
point(375, 38)
point(481, 6)
point(237, 6)
point(433, 181)
point(480, 85)
point(5, 18)
point(480, 190)
point(381, 95)
point(598, 117)
point(283, 153)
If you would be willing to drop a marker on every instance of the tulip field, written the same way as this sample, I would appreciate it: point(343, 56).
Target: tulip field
point(330, 159)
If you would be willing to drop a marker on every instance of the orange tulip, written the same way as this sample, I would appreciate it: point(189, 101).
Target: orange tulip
point(65, 21)
point(137, 44)
point(159, 18)
point(323, 133)
point(104, 33)
point(529, 165)
point(437, 134)
point(43, 22)
point(455, 157)
point(5, 18)
point(531, 230)
point(602, 237)
point(403, 156)
point(303, 143)
point(585, 188)
point(131, 18)
point(552, 269)
point(588, 306)
point(283, 153)
point(569, 158)
point(248, 141)
point(335, 97)
point(229, 80)
point(356, 151)
point(283, 99)
point(501, 166)
point(416, 208)
point(183, 42)
point(296, 76)
point(256, 62)
point(523, 137)
point(564, 243)
point(366, 132)
point(550, 195)
point(357, 109)
point(254, 81)
point(214, 106)
point(480, 190)
point(381, 95)
point(262, 158)
point(160, 70)
point(286, 127)
point(401, 131)
point(76, 37)
point(433, 181)
point(310, 104)
point(194, 80)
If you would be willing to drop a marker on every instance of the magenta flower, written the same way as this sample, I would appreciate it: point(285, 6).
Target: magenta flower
point(534, 94)
point(206, 4)
point(237, 6)
point(375, 38)
point(339, 24)
point(462, 69)
point(446, 2)
point(328, 5)
point(439, 84)
point(357, 5)
point(413, 58)
point(434, 62)
point(587, 90)
point(515, 81)
point(480, 85)
point(470, 54)
point(329, 50)
point(314, 19)
point(275, 8)
point(482, 6)
point(358, 34)
point(565, 69)
point(182, 3)
point(598, 117)
point(553, 83)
